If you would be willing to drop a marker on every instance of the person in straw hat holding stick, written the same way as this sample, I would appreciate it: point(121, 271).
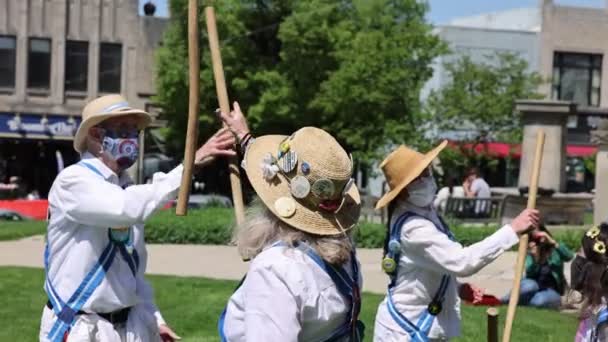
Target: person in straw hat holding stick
point(95, 257)
point(303, 282)
point(422, 257)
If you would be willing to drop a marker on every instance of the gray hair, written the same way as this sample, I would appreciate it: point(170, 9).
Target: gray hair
point(262, 228)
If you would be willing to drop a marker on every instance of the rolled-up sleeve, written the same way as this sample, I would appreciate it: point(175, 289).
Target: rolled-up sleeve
point(432, 249)
point(88, 200)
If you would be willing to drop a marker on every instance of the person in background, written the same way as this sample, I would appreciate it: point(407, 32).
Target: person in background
point(544, 283)
point(450, 190)
point(475, 186)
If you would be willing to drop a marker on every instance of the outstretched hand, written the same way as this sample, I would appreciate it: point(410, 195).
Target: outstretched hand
point(219, 145)
point(236, 121)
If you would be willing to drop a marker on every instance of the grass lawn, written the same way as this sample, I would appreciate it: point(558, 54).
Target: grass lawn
point(192, 307)
point(13, 230)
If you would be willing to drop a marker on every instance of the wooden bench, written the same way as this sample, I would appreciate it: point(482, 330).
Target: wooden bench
point(474, 210)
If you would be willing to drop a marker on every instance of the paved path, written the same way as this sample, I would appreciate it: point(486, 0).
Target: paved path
point(223, 262)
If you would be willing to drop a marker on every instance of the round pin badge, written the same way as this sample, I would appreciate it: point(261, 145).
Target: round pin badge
point(289, 161)
point(323, 188)
point(305, 167)
point(285, 207)
point(300, 187)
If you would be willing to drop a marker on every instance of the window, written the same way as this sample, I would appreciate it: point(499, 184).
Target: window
point(76, 66)
point(7, 62)
point(110, 59)
point(39, 64)
point(577, 78)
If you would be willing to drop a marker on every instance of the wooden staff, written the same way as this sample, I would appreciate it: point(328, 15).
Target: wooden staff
point(523, 239)
point(222, 96)
point(193, 108)
point(492, 324)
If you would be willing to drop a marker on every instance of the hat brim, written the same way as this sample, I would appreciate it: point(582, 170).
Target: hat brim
point(424, 163)
point(306, 218)
point(143, 117)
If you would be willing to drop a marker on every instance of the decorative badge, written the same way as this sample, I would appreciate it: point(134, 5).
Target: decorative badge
point(285, 206)
point(289, 161)
point(300, 187)
point(323, 188)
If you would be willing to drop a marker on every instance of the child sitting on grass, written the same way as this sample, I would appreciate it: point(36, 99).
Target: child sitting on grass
point(592, 282)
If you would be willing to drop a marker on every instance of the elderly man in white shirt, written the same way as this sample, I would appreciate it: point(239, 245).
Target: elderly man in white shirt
point(95, 257)
point(422, 257)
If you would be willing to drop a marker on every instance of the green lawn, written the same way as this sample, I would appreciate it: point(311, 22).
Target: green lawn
point(192, 306)
point(13, 230)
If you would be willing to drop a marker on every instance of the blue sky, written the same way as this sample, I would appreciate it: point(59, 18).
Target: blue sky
point(443, 11)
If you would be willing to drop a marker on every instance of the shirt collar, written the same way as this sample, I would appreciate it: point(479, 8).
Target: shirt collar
point(107, 173)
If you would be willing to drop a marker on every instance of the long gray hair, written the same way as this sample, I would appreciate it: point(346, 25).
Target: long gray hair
point(262, 228)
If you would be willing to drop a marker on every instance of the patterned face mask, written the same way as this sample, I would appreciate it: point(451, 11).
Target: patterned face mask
point(124, 150)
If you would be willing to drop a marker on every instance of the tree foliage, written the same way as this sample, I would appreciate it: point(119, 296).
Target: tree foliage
point(354, 68)
point(481, 97)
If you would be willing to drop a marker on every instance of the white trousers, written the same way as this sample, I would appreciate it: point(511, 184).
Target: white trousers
point(140, 327)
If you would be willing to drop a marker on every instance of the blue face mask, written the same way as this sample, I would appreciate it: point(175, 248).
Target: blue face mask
point(124, 150)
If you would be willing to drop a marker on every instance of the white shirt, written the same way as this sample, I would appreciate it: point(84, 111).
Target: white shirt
point(82, 206)
point(441, 199)
point(480, 188)
point(285, 297)
point(426, 255)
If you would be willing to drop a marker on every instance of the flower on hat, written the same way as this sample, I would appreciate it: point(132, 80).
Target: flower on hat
point(269, 167)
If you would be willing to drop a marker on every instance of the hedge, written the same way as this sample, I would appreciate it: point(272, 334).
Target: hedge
point(214, 226)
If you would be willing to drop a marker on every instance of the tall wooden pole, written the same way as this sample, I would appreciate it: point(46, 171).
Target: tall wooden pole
point(193, 109)
point(523, 239)
point(222, 96)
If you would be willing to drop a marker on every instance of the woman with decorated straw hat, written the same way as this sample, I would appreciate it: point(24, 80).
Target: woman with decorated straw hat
point(422, 256)
point(303, 281)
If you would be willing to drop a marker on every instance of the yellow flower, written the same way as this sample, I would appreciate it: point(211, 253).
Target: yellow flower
point(599, 247)
point(593, 232)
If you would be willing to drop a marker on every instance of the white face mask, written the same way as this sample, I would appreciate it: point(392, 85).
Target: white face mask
point(422, 191)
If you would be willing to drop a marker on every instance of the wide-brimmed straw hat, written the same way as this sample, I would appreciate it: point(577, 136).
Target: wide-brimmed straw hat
point(305, 180)
point(103, 108)
point(401, 167)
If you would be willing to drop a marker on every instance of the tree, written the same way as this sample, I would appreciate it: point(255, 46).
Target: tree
point(354, 68)
point(481, 97)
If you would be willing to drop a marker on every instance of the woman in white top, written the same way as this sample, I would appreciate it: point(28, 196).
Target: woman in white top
point(303, 282)
point(422, 256)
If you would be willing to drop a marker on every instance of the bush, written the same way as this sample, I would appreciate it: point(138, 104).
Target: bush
point(372, 235)
point(212, 226)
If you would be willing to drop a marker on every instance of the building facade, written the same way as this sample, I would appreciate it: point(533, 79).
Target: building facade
point(55, 56)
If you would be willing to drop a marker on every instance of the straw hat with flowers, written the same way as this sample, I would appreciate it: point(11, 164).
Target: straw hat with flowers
point(401, 167)
point(305, 180)
point(103, 108)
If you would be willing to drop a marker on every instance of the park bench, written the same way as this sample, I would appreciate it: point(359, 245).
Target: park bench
point(474, 210)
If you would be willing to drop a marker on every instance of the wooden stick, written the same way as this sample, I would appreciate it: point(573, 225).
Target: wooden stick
point(193, 109)
point(222, 96)
point(523, 239)
point(492, 324)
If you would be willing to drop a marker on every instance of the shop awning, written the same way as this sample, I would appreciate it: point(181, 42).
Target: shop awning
point(503, 150)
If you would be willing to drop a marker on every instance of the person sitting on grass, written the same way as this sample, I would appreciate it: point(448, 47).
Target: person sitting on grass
point(544, 282)
point(303, 282)
point(591, 280)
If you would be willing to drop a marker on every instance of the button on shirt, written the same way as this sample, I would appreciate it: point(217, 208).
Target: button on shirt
point(82, 206)
point(426, 255)
point(285, 297)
